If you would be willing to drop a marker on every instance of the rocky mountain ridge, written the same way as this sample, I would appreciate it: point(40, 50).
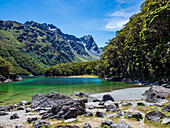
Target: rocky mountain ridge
point(42, 45)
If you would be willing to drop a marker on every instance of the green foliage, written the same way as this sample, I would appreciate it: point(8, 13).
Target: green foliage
point(5, 67)
point(141, 48)
point(71, 69)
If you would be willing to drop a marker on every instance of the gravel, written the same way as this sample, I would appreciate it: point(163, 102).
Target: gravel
point(124, 94)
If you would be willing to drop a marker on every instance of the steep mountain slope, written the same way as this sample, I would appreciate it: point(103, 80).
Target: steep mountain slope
point(31, 47)
point(141, 50)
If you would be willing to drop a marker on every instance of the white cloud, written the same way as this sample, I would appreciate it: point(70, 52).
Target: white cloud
point(120, 13)
point(115, 24)
point(117, 19)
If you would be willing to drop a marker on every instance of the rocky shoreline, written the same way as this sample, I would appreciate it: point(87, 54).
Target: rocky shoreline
point(99, 110)
point(9, 78)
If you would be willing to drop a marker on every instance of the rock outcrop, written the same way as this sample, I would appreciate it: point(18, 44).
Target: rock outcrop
point(63, 107)
point(156, 94)
point(154, 116)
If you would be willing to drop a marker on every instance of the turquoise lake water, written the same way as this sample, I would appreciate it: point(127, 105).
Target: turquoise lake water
point(14, 92)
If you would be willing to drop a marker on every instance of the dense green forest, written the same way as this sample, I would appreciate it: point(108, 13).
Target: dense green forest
point(5, 67)
point(72, 68)
point(141, 50)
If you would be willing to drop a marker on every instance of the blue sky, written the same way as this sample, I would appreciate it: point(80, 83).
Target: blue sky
point(100, 18)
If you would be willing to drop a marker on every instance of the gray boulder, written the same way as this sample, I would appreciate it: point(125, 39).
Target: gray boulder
point(154, 116)
point(100, 114)
point(112, 108)
point(2, 113)
point(66, 126)
point(126, 104)
point(88, 114)
point(21, 108)
point(114, 126)
point(22, 103)
point(63, 107)
point(109, 102)
point(2, 78)
point(165, 121)
point(141, 104)
point(156, 94)
point(159, 104)
point(14, 116)
point(40, 123)
point(107, 122)
point(127, 112)
point(137, 115)
point(86, 125)
point(79, 94)
point(96, 100)
point(6, 108)
point(32, 119)
point(18, 126)
point(48, 100)
point(101, 103)
point(119, 113)
point(166, 108)
point(122, 125)
point(107, 97)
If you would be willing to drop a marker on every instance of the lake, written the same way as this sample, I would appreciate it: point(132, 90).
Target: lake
point(14, 92)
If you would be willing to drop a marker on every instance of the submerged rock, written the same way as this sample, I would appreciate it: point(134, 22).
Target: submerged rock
point(154, 116)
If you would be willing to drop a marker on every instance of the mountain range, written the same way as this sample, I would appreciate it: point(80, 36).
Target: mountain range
point(31, 47)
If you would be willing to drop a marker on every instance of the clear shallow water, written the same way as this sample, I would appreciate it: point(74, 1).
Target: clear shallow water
point(14, 92)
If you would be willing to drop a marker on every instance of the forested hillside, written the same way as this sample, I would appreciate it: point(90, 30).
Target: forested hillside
point(141, 50)
point(31, 47)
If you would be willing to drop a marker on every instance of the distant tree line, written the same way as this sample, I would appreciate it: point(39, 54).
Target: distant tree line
point(72, 68)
